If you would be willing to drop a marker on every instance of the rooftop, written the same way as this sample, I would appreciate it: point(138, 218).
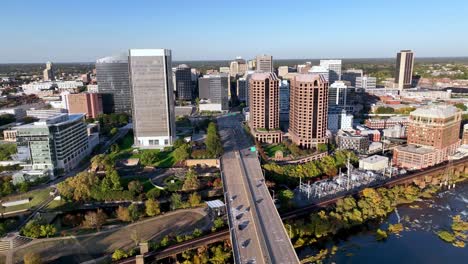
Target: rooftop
point(436, 111)
point(416, 149)
point(261, 76)
point(311, 77)
point(375, 159)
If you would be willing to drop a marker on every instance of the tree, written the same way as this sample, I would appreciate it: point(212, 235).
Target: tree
point(461, 106)
point(135, 187)
point(32, 258)
point(95, 219)
point(176, 201)
point(113, 131)
point(79, 187)
point(153, 193)
point(322, 147)
point(23, 187)
point(7, 188)
point(6, 150)
point(182, 153)
point(31, 229)
point(286, 196)
point(119, 254)
point(123, 214)
point(114, 148)
point(152, 207)
point(213, 141)
point(191, 181)
point(194, 200)
point(149, 157)
point(134, 212)
point(178, 142)
point(218, 223)
point(47, 230)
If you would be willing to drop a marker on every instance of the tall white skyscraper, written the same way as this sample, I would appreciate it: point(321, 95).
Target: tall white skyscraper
point(152, 97)
point(334, 69)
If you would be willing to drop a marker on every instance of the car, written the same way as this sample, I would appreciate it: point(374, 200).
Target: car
point(239, 216)
point(245, 243)
point(243, 225)
point(259, 200)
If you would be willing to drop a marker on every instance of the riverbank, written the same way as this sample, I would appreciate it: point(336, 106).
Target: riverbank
point(353, 223)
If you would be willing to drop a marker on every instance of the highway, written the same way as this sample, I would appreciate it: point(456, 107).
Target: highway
point(257, 231)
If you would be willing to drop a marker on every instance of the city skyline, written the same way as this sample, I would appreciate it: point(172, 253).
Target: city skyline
point(213, 31)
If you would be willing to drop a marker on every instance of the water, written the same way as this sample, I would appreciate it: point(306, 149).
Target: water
point(419, 242)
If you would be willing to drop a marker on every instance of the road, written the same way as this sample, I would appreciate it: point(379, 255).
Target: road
point(261, 225)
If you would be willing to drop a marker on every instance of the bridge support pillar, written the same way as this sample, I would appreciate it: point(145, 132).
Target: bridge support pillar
point(144, 248)
point(139, 259)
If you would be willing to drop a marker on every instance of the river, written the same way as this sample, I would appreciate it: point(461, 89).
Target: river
point(418, 243)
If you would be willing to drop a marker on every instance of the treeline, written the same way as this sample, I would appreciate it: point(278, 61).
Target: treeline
point(372, 204)
point(327, 166)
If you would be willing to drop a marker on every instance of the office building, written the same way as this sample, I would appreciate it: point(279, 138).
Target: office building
point(366, 82)
point(339, 120)
point(237, 67)
point(264, 63)
point(224, 70)
point(152, 97)
point(334, 69)
point(284, 96)
point(347, 140)
point(264, 107)
point(340, 96)
point(350, 75)
point(379, 123)
point(88, 103)
point(242, 89)
point(113, 78)
point(57, 143)
point(214, 92)
point(48, 73)
point(404, 69)
point(283, 71)
point(432, 136)
point(308, 110)
point(45, 113)
point(317, 70)
point(183, 82)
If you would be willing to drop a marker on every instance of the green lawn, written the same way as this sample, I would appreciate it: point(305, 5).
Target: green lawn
point(36, 196)
point(147, 185)
point(270, 150)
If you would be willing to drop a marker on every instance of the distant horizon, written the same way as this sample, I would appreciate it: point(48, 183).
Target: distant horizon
point(274, 59)
point(53, 30)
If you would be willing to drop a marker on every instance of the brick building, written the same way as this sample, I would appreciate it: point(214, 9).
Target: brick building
point(308, 110)
point(264, 107)
point(87, 103)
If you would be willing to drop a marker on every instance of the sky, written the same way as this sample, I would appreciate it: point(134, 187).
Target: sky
point(83, 31)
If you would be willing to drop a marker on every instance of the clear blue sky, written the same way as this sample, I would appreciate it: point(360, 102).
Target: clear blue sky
point(67, 31)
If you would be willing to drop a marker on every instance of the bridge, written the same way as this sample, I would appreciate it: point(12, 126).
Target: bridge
point(257, 231)
point(436, 174)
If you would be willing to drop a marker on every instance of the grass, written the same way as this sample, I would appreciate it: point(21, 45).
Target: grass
point(36, 196)
point(147, 185)
point(270, 150)
point(165, 158)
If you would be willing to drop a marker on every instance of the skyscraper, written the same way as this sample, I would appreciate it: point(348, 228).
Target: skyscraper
point(237, 67)
point(284, 98)
point(242, 89)
point(350, 75)
point(308, 110)
point(48, 73)
point(264, 107)
point(334, 69)
point(264, 63)
point(112, 76)
point(183, 82)
point(404, 69)
point(214, 91)
point(340, 96)
point(152, 97)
